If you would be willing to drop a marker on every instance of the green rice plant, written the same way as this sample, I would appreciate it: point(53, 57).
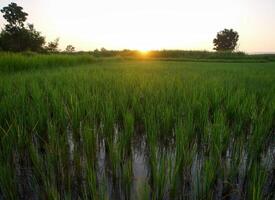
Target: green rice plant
point(11, 62)
point(256, 183)
point(90, 148)
point(219, 138)
point(51, 168)
point(208, 127)
point(185, 151)
point(143, 192)
point(114, 160)
point(160, 176)
point(262, 128)
point(232, 172)
point(127, 174)
point(200, 116)
point(7, 182)
point(160, 163)
point(126, 136)
point(7, 172)
point(205, 180)
point(219, 142)
point(108, 121)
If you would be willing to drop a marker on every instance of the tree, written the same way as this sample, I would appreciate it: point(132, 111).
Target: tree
point(53, 46)
point(22, 40)
point(35, 41)
point(70, 48)
point(14, 15)
point(15, 36)
point(103, 49)
point(226, 40)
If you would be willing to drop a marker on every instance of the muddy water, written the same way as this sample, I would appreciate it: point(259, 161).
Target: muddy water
point(111, 185)
point(140, 173)
point(140, 165)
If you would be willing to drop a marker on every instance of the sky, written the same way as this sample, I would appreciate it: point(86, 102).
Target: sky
point(152, 24)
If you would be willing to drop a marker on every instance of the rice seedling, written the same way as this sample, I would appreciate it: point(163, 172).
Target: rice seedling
point(257, 179)
point(68, 126)
point(89, 145)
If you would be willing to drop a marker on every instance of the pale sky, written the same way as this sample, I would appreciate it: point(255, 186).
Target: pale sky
point(152, 24)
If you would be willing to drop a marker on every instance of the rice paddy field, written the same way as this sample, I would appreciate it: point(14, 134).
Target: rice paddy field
point(78, 128)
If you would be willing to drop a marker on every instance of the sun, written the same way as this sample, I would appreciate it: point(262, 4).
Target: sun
point(144, 52)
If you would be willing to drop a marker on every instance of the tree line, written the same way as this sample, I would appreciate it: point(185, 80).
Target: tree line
point(16, 36)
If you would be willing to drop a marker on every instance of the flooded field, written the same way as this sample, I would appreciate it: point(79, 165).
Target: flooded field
point(139, 130)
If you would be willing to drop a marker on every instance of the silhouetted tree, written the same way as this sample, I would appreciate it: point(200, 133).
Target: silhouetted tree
point(226, 40)
point(35, 41)
point(53, 46)
point(14, 15)
point(15, 36)
point(70, 48)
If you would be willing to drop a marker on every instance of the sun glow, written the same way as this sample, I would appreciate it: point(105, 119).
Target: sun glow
point(124, 25)
point(144, 52)
point(151, 25)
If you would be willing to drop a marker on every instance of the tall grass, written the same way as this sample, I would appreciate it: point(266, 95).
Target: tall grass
point(10, 62)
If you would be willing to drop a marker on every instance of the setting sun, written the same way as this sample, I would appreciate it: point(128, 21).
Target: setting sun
point(144, 52)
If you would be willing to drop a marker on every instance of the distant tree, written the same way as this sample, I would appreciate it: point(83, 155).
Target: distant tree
point(15, 36)
point(226, 40)
point(96, 52)
point(103, 49)
point(52, 46)
point(70, 48)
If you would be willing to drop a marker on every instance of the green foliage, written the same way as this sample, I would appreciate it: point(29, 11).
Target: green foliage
point(22, 40)
point(16, 37)
point(14, 15)
point(53, 46)
point(70, 48)
point(226, 40)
